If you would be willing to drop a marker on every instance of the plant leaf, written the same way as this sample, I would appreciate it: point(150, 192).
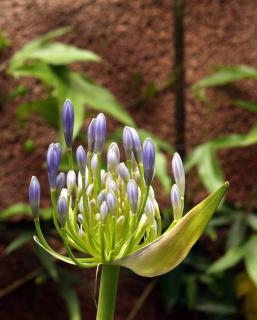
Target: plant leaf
point(230, 259)
point(251, 258)
point(165, 253)
point(19, 241)
point(247, 105)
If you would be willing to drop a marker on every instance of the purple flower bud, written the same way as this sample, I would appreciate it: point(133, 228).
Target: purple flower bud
point(62, 210)
point(112, 160)
point(104, 210)
point(91, 135)
point(132, 192)
point(81, 159)
point(176, 202)
point(111, 201)
point(60, 182)
point(178, 172)
point(90, 189)
point(58, 151)
point(127, 142)
point(100, 132)
point(34, 196)
point(53, 159)
point(123, 172)
point(137, 149)
point(71, 181)
point(148, 160)
point(101, 197)
point(68, 122)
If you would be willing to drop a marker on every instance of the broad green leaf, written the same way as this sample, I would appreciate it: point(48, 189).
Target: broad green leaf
point(227, 75)
point(247, 105)
point(237, 230)
point(251, 258)
point(19, 241)
point(23, 54)
point(47, 262)
point(252, 221)
point(230, 259)
point(168, 251)
point(14, 210)
point(58, 53)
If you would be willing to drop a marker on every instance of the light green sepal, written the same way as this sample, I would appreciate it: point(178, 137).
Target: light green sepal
point(166, 252)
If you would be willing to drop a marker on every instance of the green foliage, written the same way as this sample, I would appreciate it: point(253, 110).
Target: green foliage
point(4, 41)
point(49, 61)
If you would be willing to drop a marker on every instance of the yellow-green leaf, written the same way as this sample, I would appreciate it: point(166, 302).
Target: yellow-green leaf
point(166, 252)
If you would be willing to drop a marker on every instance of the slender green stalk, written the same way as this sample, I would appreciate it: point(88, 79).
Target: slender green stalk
point(108, 292)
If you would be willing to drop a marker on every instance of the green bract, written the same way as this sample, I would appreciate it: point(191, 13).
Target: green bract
point(111, 216)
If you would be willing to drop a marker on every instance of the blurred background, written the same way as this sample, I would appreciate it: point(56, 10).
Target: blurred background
point(185, 73)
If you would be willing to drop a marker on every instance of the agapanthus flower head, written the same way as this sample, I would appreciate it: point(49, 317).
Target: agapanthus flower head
point(34, 196)
point(110, 215)
point(68, 122)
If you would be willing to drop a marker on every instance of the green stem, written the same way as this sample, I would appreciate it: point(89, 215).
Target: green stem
point(108, 292)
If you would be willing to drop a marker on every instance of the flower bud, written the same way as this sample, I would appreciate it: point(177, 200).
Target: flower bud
point(149, 210)
point(64, 193)
point(94, 165)
point(104, 211)
point(137, 149)
point(62, 210)
point(111, 202)
point(81, 232)
point(91, 135)
point(68, 122)
point(127, 142)
point(132, 192)
point(81, 205)
point(34, 196)
point(148, 160)
point(60, 182)
point(113, 146)
point(80, 218)
point(53, 159)
point(112, 160)
point(176, 202)
point(90, 189)
point(71, 181)
point(101, 197)
point(100, 131)
point(179, 173)
point(123, 172)
point(112, 186)
point(81, 159)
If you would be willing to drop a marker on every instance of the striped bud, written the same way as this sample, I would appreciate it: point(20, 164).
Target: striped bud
point(104, 210)
point(178, 172)
point(68, 122)
point(123, 172)
point(111, 201)
point(100, 131)
point(148, 160)
point(137, 149)
point(62, 211)
point(132, 192)
point(53, 159)
point(91, 135)
point(176, 202)
point(71, 181)
point(112, 160)
point(127, 142)
point(60, 182)
point(81, 159)
point(34, 196)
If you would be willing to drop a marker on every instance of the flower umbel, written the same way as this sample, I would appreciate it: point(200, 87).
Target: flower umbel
point(112, 215)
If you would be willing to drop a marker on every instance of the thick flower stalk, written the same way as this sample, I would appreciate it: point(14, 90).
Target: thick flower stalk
point(111, 217)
